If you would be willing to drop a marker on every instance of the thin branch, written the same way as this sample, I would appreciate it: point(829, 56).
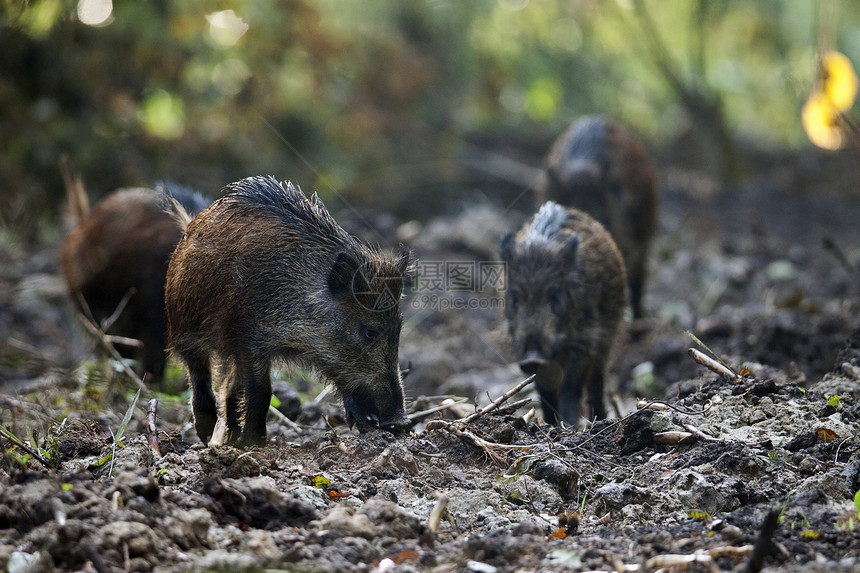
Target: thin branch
point(108, 322)
point(498, 401)
point(417, 416)
point(151, 432)
point(283, 419)
point(100, 336)
point(712, 365)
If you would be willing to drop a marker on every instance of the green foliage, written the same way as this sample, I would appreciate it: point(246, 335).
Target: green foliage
point(834, 401)
point(370, 101)
point(857, 503)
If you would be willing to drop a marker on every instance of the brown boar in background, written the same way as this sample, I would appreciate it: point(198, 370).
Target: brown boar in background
point(267, 273)
point(565, 297)
point(600, 167)
point(119, 251)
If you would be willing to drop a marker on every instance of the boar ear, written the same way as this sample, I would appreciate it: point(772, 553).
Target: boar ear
point(506, 246)
point(405, 262)
point(342, 274)
point(568, 250)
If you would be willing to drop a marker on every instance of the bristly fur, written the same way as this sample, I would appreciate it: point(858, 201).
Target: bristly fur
point(547, 225)
point(287, 202)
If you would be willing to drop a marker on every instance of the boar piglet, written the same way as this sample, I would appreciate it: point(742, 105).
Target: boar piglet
point(120, 250)
point(266, 273)
point(565, 297)
point(600, 167)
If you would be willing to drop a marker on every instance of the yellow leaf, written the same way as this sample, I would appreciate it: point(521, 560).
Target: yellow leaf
point(320, 481)
point(821, 121)
point(809, 534)
point(839, 82)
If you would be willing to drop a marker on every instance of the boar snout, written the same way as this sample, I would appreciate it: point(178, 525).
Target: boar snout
point(531, 362)
point(361, 411)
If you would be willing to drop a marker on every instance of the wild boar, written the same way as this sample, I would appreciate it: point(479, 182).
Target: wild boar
point(600, 167)
point(565, 297)
point(119, 251)
point(267, 273)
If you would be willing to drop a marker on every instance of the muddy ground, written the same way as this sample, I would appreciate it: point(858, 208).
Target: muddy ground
point(685, 484)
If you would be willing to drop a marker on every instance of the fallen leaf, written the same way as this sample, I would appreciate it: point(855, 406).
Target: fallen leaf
point(826, 435)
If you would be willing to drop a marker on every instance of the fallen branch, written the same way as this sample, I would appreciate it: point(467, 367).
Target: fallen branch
point(489, 448)
point(151, 433)
point(732, 372)
point(14, 403)
point(498, 401)
point(283, 419)
point(713, 365)
point(763, 543)
point(111, 349)
point(418, 416)
point(439, 508)
point(19, 443)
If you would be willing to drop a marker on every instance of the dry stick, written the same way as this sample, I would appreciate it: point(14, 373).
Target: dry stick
point(151, 433)
point(124, 340)
point(438, 510)
point(831, 245)
point(717, 358)
point(25, 406)
point(15, 441)
point(416, 416)
point(94, 330)
point(712, 364)
point(497, 402)
point(762, 544)
point(108, 322)
point(283, 419)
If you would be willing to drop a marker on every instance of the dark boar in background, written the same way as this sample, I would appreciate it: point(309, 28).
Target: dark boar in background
point(600, 167)
point(565, 297)
point(267, 273)
point(120, 250)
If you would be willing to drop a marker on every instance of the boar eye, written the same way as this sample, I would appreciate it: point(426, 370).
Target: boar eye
point(369, 334)
point(556, 301)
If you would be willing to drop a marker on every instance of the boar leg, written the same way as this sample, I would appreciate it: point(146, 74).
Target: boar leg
point(547, 381)
point(231, 398)
point(570, 395)
point(596, 407)
point(202, 398)
point(636, 288)
point(253, 377)
point(154, 357)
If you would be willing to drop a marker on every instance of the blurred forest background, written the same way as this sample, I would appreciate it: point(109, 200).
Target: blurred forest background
point(402, 104)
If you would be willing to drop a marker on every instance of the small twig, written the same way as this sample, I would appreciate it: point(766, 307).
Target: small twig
point(497, 402)
point(417, 416)
point(716, 357)
point(700, 434)
point(124, 340)
point(488, 447)
point(660, 405)
point(35, 409)
point(100, 336)
point(713, 365)
point(283, 419)
point(831, 245)
point(16, 441)
point(439, 508)
point(108, 322)
point(151, 432)
point(513, 406)
point(762, 544)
